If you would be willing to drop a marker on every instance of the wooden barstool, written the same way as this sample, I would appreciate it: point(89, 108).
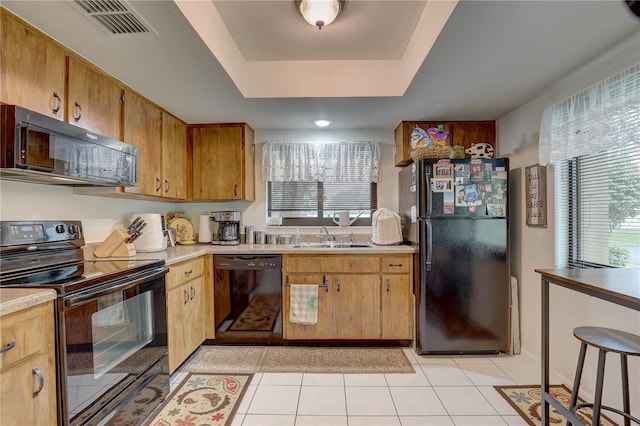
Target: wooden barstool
point(606, 340)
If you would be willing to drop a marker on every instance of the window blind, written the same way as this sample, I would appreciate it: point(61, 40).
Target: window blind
point(598, 209)
point(314, 203)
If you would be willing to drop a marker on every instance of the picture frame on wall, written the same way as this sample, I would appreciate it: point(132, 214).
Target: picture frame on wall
point(536, 195)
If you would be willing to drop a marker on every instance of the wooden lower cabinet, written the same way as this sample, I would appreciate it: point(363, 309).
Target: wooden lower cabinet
point(356, 306)
point(324, 328)
point(186, 307)
point(367, 297)
point(396, 319)
point(27, 370)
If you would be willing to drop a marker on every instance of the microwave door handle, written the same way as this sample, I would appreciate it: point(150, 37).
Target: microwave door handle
point(103, 290)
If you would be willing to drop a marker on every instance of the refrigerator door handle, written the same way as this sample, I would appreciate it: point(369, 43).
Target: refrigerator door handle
point(424, 188)
point(428, 240)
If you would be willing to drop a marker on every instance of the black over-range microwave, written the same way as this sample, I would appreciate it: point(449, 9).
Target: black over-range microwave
point(42, 149)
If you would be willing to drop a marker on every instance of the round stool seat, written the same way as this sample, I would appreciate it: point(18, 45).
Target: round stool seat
point(609, 340)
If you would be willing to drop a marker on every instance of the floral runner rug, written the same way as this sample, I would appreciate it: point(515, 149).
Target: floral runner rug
point(298, 359)
point(526, 400)
point(259, 315)
point(203, 400)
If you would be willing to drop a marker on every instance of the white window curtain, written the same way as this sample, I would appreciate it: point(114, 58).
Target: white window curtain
point(345, 162)
point(599, 118)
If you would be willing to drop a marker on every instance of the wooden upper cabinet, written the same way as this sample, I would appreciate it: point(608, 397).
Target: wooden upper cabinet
point(461, 133)
point(143, 128)
point(32, 69)
point(94, 99)
point(223, 161)
point(174, 157)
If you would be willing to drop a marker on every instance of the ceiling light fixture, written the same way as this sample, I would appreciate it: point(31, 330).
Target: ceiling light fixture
point(322, 122)
point(319, 12)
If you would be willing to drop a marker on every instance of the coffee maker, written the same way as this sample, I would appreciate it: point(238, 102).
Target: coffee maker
point(228, 232)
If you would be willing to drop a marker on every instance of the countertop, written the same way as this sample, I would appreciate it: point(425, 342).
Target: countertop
point(181, 253)
point(16, 299)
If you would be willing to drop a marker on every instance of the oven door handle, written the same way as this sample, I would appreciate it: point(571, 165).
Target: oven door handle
point(110, 288)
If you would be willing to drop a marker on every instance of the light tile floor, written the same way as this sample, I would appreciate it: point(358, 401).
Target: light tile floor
point(444, 390)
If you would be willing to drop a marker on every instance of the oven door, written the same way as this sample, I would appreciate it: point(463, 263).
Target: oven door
point(111, 335)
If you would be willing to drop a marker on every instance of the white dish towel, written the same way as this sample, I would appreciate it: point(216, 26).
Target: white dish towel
point(303, 307)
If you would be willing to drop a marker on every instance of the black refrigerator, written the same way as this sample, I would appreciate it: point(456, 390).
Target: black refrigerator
point(456, 212)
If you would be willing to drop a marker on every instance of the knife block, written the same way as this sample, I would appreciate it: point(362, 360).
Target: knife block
point(115, 245)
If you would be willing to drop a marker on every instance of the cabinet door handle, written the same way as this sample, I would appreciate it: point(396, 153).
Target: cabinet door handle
point(325, 283)
point(11, 345)
point(339, 282)
point(57, 103)
point(388, 284)
point(77, 112)
point(38, 373)
point(186, 296)
point(166, 186)
point(235, 190)
point(193, 293)
point(158, 184)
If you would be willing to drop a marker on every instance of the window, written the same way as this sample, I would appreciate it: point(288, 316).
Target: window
point(592, 138)
point(307, 183)
point(598, 209)
point(314, 203)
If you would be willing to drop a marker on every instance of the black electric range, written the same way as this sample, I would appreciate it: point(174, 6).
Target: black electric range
point(110, 319)
point(49, 254)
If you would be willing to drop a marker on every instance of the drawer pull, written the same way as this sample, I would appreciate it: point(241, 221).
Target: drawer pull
point(10, 346)
point(38, 373)
point(189, 272)
point(399, 265)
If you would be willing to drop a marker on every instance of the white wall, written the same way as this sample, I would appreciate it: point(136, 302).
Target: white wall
point(533, 247)
point(254, 213)
point(100, 215)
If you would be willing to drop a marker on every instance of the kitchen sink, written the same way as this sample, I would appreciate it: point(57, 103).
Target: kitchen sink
point(330, 244)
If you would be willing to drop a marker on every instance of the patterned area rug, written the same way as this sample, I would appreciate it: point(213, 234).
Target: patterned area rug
point(203, 400)
point(526, 400)
point(137, 409)
point(298, 359)
point(260, 315)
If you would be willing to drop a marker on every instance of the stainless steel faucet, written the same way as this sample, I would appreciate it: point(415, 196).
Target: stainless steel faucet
point(329, 236)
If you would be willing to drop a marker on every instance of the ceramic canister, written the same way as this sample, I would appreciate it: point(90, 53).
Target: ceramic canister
point(205, 230)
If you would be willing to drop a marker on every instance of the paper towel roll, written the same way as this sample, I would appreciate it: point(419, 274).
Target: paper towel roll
point(205, 233)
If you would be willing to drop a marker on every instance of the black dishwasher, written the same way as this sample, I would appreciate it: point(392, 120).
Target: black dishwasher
point(248, 299)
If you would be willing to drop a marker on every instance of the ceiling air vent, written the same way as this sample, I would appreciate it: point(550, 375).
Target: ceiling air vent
point(115, 17)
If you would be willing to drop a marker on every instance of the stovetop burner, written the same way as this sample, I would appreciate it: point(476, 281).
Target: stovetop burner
point(77, 276)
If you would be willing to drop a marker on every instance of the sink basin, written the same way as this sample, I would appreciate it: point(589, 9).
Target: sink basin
point(330, 244)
